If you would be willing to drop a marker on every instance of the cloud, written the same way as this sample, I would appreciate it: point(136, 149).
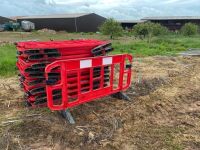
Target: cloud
point(118, 9)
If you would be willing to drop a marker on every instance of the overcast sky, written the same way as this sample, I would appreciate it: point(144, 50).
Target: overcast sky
point(118, 9)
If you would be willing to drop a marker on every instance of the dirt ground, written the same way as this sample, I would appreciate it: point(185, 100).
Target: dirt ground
point(164, 113)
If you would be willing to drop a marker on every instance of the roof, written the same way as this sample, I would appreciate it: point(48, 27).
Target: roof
point(16, 17)
point(4, 20)
point(131, 21)
point(172, 18)
point(75, 15)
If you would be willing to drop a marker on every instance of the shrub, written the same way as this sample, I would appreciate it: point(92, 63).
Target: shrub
point(112, 28)
point(141, 29)
point(149, 28)
point(159, 29)
point(189, 29)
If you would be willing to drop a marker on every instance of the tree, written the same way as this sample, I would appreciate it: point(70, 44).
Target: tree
point(141, 30)
point(112, 28)
point(189, 29)
point(149, 29)
point(158, 29)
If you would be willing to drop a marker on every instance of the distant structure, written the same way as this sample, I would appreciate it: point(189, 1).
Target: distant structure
point(79, 22)
point(128, 24)
point(4, 20)
point(89, 22)
point(174, 23)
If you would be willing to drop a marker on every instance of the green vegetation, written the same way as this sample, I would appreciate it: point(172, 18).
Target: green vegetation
point(189, 29)
point(160, 45)
point(169, 44)
point(112, 28)
point(7, 60)
point(149, 30)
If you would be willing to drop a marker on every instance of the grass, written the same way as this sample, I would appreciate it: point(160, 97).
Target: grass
point(7, 60)
point(155, 137)
point(165, 45)
point(168, 45)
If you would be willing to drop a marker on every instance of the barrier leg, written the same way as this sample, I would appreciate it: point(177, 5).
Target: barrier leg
point(121, 95)
point(67, 115)
point(27, 104)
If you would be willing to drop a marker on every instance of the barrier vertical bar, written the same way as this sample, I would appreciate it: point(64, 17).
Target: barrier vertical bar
point(91, 78)
point(121, 76)
point(102, 77)
point(111, 76)
point(64, 85)
point(79, 83)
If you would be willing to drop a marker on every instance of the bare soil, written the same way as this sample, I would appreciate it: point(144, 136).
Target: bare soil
point(164, 113)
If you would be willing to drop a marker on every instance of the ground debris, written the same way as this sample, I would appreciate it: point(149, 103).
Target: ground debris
point(163, 114)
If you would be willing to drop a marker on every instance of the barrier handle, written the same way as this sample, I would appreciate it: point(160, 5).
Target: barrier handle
point(50, 86)
point(127, 70)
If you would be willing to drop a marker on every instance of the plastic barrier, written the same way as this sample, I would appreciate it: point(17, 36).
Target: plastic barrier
point(34, 56)
point(119, 78)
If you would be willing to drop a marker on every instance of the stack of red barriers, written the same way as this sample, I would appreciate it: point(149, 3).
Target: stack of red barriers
point(34, 56)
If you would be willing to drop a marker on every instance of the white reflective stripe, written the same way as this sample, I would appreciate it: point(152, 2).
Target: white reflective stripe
point(85, 63)
point(107, 60)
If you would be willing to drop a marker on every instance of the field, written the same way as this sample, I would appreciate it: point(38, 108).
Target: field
point(168, 45)
point(164, 112)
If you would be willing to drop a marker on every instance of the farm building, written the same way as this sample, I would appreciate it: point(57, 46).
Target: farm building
point(128, 24)
point(79, 22)
point(4, 20)
point(174, 23)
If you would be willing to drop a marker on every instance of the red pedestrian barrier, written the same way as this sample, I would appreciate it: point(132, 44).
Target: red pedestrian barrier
point(102, 89)
point(64, 74)
point(34, 56)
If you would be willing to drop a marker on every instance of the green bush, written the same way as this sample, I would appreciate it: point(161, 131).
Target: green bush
point(112, 28)
point(149, 29)
point(189, 29)
point(141, 29)
point(159, 29)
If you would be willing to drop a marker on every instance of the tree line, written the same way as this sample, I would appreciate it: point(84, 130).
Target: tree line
point(145, 30)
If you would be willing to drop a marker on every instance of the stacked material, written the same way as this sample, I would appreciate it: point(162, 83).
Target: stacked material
point(33, 57)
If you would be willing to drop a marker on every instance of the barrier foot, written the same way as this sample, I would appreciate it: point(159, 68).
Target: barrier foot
point(27, 104)
point(121, 95)
point(68, 116)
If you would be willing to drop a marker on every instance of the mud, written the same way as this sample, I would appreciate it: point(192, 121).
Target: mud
point(164, 113)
